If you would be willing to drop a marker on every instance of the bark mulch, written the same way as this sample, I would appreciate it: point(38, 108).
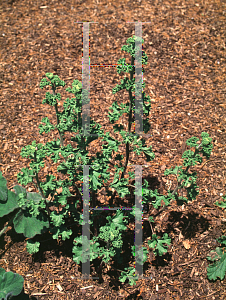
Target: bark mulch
point(185, 78)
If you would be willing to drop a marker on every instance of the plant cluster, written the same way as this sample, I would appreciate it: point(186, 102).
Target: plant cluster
point(33, 211)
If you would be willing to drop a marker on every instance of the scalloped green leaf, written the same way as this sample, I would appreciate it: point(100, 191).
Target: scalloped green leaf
point(29, 225)
point(218, 268)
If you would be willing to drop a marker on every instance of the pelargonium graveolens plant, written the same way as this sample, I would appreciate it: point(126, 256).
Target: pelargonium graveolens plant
point(34, 213)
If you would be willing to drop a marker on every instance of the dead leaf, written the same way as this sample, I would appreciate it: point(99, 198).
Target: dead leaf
point(187, 244)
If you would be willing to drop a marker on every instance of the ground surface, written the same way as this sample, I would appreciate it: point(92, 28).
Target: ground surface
point(185, 78)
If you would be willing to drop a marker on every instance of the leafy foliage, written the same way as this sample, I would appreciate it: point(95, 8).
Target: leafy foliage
point(129, 273)
point(157, 244)
point(33, 213)
point(28, 218)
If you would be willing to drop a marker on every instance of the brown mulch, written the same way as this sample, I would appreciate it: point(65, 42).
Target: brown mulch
point(185, 78)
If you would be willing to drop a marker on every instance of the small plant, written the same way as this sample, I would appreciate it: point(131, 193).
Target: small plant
point(35, 213)
point(11, 284)
point(218, 256)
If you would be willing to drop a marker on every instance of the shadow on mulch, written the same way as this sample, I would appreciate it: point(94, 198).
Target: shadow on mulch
point(189, 224)
point(64, 248)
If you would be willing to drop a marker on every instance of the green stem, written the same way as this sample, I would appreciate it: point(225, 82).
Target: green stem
point(39, 187)
point(83, 142)
point(94, 217)
point(62, 143)
point(129, 129)
point(57, 114)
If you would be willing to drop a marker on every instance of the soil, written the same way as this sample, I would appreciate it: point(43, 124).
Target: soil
point(185, 78)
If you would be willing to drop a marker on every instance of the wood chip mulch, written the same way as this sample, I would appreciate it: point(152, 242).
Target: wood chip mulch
point(185, 78)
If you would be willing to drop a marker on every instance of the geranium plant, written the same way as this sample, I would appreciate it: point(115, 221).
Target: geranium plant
point(48, 209)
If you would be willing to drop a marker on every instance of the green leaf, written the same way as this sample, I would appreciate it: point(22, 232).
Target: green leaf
point(148, 153)
point(106, 254)
point(49, 185)
point(32, 247)
point(53, 148)
point(108, 233)
point(26, 176)
point(95, 182)
point(11, 284)
point(222, 240)
point(44, 82)
point(222, 203)
point(207, 146)
point(159, 198)
point(130, 274)
point(121, 187)
point(192, 142)
point(118, 220)
point(190, 159)
point(124, 67)
point(47, 127)
point(117, 112)
point(157, 244)
point(9, 204)
point(50, 75)
point(132, 49)
point(61, 231)
point(3, 188)
point(29, 225)
point(84, 257)
point(57, 218)
point(218, 268)
point(151, 219)
point(55, 81)
point(205, 138)
point(172, 171)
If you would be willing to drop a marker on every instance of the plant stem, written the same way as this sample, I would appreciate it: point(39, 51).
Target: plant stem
point(146, 219)
point(39, 187)
point(94, 217)
point(129, 128)
point(100, 267)
point(62, 144)
point(57, 115)
point(77, 189)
